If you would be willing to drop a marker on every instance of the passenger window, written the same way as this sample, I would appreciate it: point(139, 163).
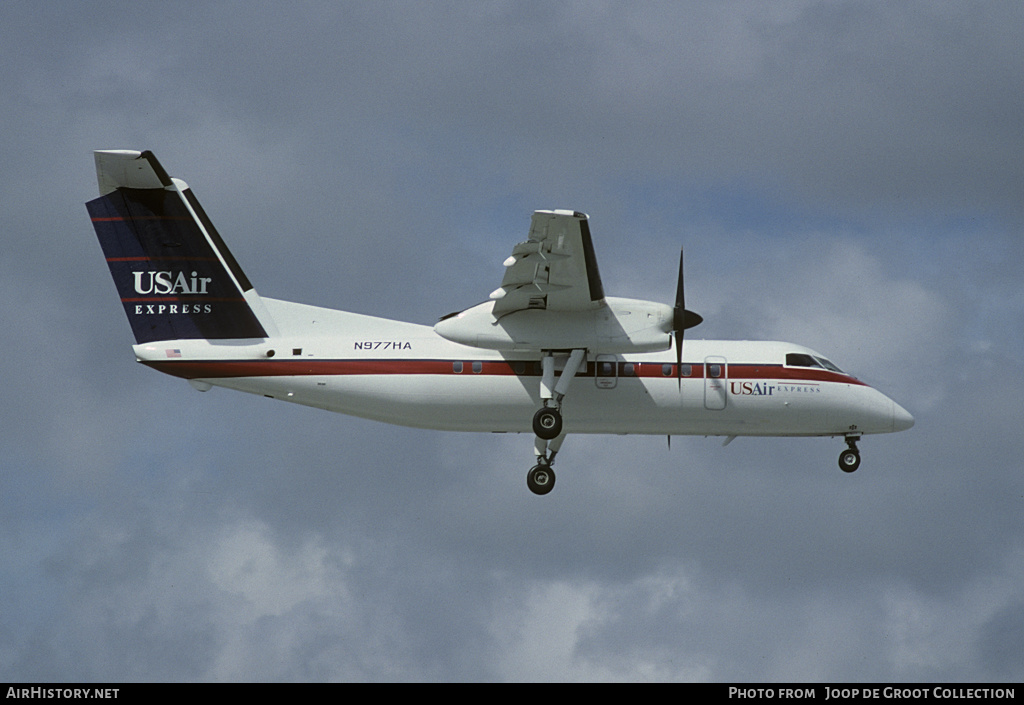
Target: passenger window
point(478, 367)
point(687, 370)
point(666, 370)
point(457, 367)
point(714, 371)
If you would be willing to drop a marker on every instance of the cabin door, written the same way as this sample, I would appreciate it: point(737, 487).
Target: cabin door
point(606, 372)
point(716, 381)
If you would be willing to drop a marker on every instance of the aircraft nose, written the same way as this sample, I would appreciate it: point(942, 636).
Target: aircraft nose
point(901, 418)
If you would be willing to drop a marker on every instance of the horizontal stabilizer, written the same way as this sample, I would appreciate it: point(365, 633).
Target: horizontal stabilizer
point(124, 168)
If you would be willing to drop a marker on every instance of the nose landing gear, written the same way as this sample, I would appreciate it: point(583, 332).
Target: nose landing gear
point(849, 459)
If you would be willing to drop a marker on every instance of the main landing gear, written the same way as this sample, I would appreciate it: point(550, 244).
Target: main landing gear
point(541, 478)
point(547, 422)
point(849, 459)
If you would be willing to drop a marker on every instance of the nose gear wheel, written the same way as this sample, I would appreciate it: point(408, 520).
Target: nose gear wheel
point(849, 459)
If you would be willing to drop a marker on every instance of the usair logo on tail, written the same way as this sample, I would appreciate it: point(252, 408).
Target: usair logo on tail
point(164, 283)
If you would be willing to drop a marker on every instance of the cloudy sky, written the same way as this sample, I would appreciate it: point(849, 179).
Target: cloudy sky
point(845, 175)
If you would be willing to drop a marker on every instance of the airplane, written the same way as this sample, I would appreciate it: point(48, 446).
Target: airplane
point(547, 353)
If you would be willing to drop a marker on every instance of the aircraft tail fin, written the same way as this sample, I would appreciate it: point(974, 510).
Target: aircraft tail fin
point(176, 277)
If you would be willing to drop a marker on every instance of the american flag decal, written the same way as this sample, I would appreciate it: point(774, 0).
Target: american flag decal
point(174, 353)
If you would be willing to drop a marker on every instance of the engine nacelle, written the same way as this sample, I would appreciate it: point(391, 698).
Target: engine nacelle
point(618, 326)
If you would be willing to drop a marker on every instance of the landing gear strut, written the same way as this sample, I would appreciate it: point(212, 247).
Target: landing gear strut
point(849, 459)
point(541, 477)
point(547, 422)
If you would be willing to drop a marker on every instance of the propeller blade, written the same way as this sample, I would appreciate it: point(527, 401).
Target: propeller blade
point(681, 320)
point(680, 291)
point(679, 360)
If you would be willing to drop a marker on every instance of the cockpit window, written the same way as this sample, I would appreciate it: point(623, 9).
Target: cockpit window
point(828, 365)
point(801, 360)
point(804, 360)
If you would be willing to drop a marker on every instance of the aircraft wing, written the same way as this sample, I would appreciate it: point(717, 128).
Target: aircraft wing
point(551, 298)
point(555, 269)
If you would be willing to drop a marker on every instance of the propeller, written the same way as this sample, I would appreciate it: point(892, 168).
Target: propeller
point(681, 320)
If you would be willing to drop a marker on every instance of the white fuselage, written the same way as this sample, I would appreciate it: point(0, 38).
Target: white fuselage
point(407, 374)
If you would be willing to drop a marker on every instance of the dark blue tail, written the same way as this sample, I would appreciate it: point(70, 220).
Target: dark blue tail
point(176, 277)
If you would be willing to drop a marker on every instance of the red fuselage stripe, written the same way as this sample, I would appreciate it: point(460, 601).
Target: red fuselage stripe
point(214, 369)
